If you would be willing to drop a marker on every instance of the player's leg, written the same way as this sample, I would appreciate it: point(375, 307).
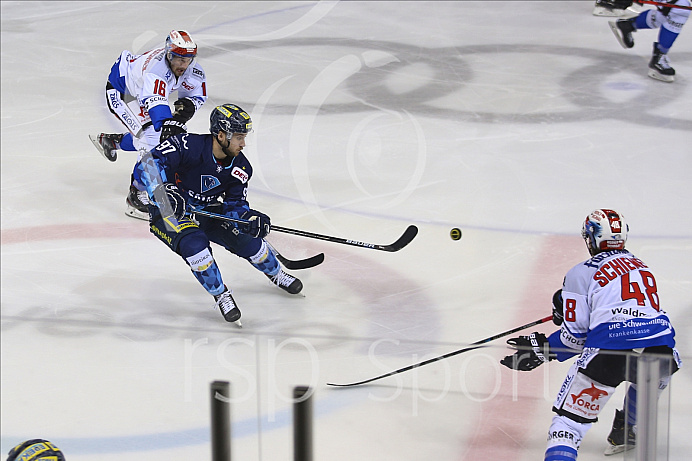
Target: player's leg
point(670, 21)
point(190, 242)
point(589, 384)
point(137, 200)
point(621, 436)
point(622, 433)
point(254, 250)
point(109, 143)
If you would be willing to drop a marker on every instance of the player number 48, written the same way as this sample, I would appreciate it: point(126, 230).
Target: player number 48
point(630, 290)
point(633, 289)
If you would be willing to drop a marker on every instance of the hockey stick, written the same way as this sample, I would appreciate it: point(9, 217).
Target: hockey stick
point(401, 242)
point(663, 4)
point(299, 263)
point(475, 345)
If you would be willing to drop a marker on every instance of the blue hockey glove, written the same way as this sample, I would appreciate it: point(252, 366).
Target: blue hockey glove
point(533, 351)
point(258, 226)
point(170, 200)
point(171, 127)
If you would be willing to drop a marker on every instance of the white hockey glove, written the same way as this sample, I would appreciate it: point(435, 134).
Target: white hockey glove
point(533, 351)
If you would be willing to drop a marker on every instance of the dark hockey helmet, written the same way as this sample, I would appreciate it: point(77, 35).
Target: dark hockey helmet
point(603, 230)
point(180, 43)
point(230, 119)
point(36, 450)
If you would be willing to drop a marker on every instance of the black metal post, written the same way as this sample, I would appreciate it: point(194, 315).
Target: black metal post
point(220, 421)
point(302, 423)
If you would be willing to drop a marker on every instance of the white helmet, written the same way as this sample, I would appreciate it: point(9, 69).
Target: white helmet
point(180, 43)
point(603, 230)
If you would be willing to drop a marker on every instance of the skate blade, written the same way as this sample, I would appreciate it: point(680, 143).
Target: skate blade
point(660, 77)
point(135, 213)
point(97, 145)
point(615, 449)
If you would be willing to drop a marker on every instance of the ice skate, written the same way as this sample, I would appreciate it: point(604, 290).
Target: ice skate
point(610, 8)
point(616, 439)
point(622, 29)
point(228, 307)
point(659, 66)
point(137, 202)
point(107, 144)
point(286, 282)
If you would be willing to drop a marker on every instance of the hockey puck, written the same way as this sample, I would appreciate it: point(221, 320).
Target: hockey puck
point(455, 233)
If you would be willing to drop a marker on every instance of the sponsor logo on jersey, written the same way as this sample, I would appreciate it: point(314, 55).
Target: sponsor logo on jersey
point(628, 311)
point(240, 174)
point(197, 71)
point(187, 86)
point(132, 124)
point(201, 261)
point(585, 403)
point(593, 392)
point(209, 182)
point(114, 99)
point(561, 435)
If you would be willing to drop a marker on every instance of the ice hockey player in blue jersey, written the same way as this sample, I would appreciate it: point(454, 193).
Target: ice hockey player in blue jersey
point(189, 172)
point(607, 303)
point(137, 93)
point(669, 20)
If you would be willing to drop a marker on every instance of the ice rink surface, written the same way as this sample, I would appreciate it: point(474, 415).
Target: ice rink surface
point(510, 120)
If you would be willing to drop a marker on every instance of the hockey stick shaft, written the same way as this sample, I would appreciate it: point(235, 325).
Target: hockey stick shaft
point(404, 240)
point(471, 347)
point(663, 4)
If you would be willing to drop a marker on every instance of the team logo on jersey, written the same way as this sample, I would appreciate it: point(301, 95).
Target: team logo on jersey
point(209, 182)
point(240, 174)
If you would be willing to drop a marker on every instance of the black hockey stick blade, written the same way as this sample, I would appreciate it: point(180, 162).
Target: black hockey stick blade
point(476, 345)
point(300, 263)
point(406, 238)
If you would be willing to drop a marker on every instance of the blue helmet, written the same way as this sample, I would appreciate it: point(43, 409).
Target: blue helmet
point(230, 119)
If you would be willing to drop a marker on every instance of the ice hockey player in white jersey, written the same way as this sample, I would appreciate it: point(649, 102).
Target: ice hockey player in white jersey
point(137, 93)
point(607, 303)
point(669, 20)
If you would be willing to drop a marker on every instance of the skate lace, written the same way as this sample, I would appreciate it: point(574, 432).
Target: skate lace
point(282, 279)
point(143, 197)
point(663, 62)
point(225, 302)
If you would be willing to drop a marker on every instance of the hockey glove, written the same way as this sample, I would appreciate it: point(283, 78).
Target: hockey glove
point(258, 224)
point(184, 110)
point(171, 127)
point(170, 200)
point(532, 351)
point(558, 313)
